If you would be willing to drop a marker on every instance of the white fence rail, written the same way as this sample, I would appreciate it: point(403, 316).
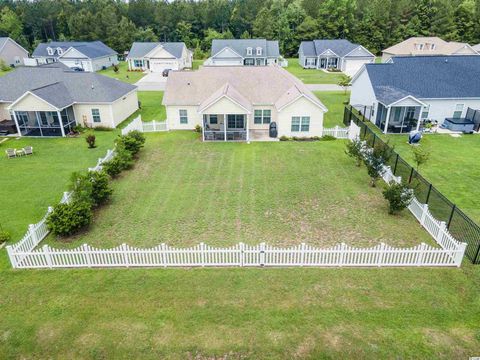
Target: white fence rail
point(337, 132)
point(241, 255)
point(150, 126)
point(451, 252)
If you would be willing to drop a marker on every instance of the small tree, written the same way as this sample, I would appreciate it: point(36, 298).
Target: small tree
point(344, 82)
point(420, 155)
point(375, 160)
point(355, 149)
point(90, 139)
point(399, 196)
point(115, 68)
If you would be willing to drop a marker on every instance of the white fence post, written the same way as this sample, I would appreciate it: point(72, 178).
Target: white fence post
point(262, 254)
point(125, 254)
point(336, 131)
point(302, 254)
point(380, 254)
point(33, 233)
point(164, 254)
point(441, 231)
point(11, 256)
point(424, 214)
point(342, 253)
point(421, 254)
point(242, 254)
point(202, 254)
point(460, 252)
point(87, 255)
point(46, 252)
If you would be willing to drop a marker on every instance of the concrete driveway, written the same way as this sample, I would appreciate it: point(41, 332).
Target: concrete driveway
point(152, 82)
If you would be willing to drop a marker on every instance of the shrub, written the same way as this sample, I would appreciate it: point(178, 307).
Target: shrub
point(355, 149)
point(375, 159)
point(198, 128)
point(81, 187)
point(420, 155)
point(4, 236)
point(122, 160)
point(115, 68)
point(90, 139)
point(101, 190)
point(399, 196)
point(66, 219)
point(328, 138)
point(132, 142)
point(103, 128)
point(78, 129)
point(284, 138)
point(4, 66)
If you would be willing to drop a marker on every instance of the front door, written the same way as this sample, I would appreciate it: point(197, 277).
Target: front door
point(323, 63)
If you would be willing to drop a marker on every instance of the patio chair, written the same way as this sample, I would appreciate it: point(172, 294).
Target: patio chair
point(28, 150)
point(11, 153)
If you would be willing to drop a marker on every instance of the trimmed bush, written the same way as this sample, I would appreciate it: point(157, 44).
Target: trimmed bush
point(132, 142)
point(90, 139)
point(284, 138)
point(198, 128)
point(399, 196)
point(123, 160)
point(67, 219)
point(101, 190)
point(328, 138)
point(4, 236)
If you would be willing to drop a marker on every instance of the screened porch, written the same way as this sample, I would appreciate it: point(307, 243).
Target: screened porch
point(398, 119)
point(45, 123)
point(225, 127)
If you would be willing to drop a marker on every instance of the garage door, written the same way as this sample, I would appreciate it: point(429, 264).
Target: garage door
point(353, 65)
point(227, 62)
point(160, 65)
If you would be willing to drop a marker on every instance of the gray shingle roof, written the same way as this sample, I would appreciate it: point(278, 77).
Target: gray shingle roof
point(3, 40)
point(341, 47)
point(61, 87)
point(426, 77)
point(92, 49)
point(269, 47)
point(140, 49)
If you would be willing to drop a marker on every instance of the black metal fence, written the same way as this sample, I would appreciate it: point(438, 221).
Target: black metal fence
point(460, 225)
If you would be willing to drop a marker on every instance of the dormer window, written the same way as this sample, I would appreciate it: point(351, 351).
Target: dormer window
point(432, 47)
point(259, 51)
point(49, 51)
point(249, 51)
point(59, 51)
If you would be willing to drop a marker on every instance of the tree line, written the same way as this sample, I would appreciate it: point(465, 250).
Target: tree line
point(376, 24)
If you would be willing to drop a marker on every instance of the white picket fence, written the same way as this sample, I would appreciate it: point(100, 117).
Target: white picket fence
point(337, 132)
point(150, 126)
point(450, 253)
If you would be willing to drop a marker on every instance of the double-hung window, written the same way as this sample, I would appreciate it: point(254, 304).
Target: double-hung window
point(183, 116)
point(425, 112)
point(300, 124)
point(457, 114)
point(249, 51)
point(310, 62)
point(259, 51)
point(96, 116)
point(262, 117)
point(138, 63)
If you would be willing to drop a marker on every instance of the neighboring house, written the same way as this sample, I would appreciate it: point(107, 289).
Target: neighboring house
point(397, 96)
point(50, 100)
point(89, 56)
point(12, 53)
point(156, 56)
point(249, 52)
point(476, 48)
point(334, 54)
point(422, 46)
point(242, 103)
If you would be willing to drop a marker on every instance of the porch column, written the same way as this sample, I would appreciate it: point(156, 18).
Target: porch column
point(387, 119)
point(419, 117)
point(61, 123)
point(224, 127)
point(203, 127)
point(39, 123)
point(129, 62)
point(16, 123)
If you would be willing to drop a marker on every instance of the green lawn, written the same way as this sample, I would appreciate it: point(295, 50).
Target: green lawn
point(123, 74)
point(229, 313)
point(152, 108)
point(30, 184)
point(334, 101)
point(186, 191)
point(452, 167)
point(312, 76)
point(196, 64)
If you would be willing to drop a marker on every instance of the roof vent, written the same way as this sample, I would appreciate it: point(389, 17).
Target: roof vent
point(93, 87)
point(446, 60)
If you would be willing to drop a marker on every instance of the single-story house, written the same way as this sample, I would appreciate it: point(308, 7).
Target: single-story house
point(11, 52)
point(248, 52)
point(400, 95)
point(49, 100)
point(338, 54)
point(242, 103)
point(157, 56)
point(88, 55)
point(423, 46)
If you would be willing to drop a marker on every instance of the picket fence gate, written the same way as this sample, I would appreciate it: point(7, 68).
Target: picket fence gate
point(25, 253)
point(150, 126)
point(337, 132)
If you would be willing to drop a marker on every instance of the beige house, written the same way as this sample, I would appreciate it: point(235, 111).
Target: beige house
point(421, 46)
point(11, 52)
point(239, 103)
point(156, 57)
point(50, 100)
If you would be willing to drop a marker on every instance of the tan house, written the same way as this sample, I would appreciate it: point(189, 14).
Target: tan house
point(240, 103)
point(156, 56)
point(50, 100)
point(422, 46)
point(11, 52)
